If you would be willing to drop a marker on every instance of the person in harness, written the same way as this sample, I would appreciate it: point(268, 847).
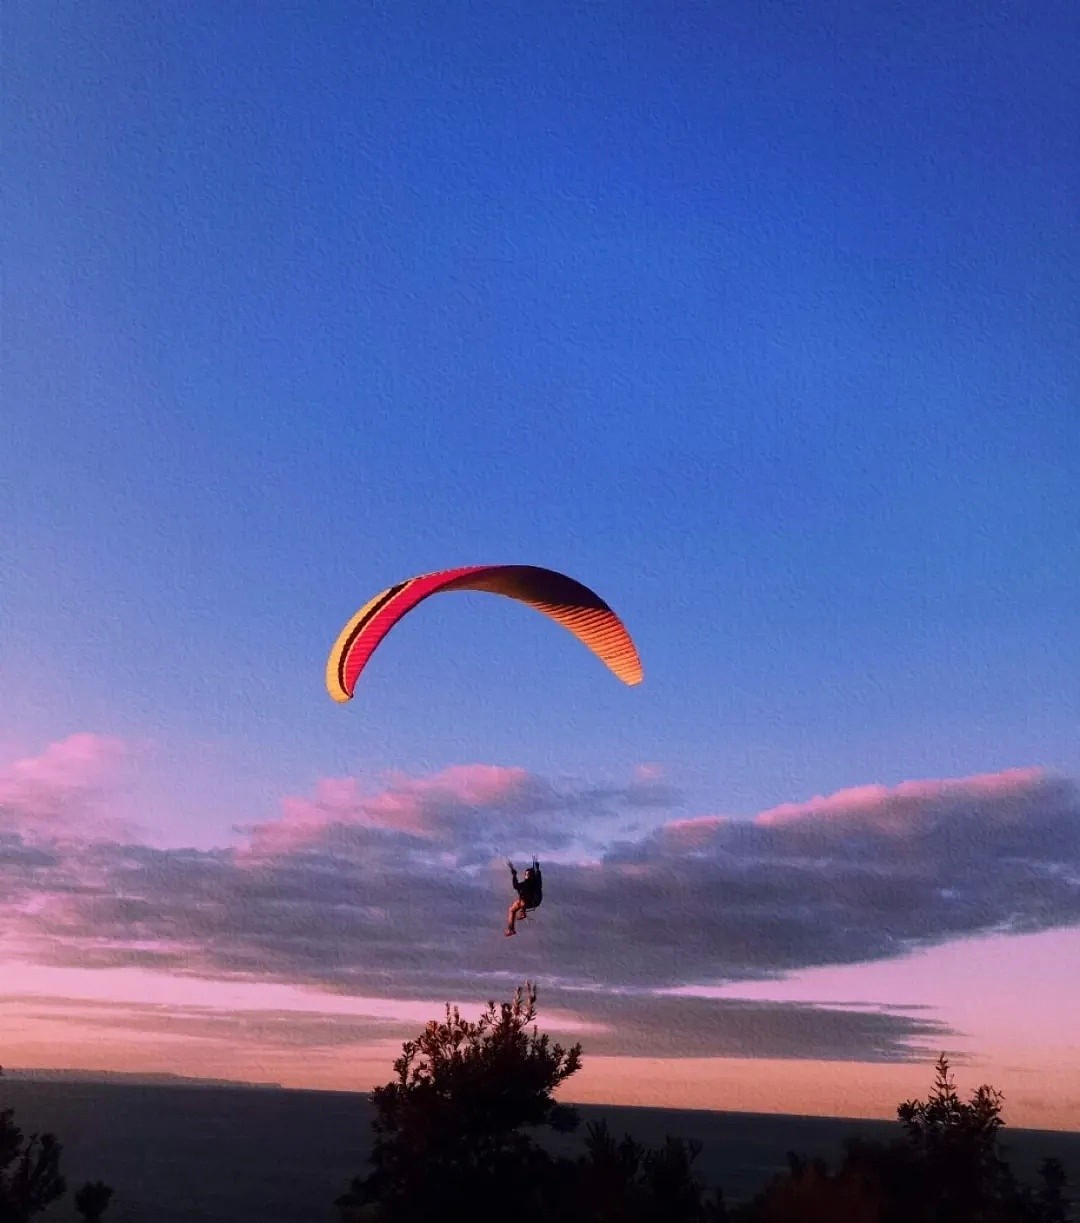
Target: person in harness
point(530, 892)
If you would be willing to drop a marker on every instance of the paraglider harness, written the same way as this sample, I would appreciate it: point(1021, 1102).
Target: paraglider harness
point(530, 890)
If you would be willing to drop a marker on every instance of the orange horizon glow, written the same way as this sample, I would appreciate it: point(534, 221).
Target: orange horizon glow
point(1032, 1058)
point(780, 1087)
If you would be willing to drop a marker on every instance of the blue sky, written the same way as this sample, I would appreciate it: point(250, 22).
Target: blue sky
point(759, 319)
point(763, 324)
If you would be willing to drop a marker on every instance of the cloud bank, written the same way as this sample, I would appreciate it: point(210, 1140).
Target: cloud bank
point(399, 892)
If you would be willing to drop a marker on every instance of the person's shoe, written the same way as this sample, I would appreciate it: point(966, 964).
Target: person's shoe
point(510, 931)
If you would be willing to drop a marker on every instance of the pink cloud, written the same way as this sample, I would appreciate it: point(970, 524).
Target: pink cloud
point(693, 833)
point(68, 776)
point(481, 785)
point(648, 772)
point(894, 809)
point(420, 807)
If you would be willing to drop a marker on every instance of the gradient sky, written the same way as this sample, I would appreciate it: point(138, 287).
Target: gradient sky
point(761, 321)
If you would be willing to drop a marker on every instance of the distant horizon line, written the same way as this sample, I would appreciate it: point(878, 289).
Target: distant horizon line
point(166, 1079)
point(150, 1077)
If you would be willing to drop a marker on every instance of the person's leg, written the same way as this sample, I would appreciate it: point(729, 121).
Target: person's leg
point(517, 908)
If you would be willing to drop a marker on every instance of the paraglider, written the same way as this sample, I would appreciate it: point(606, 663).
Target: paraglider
point(530, 894)
point(562, 599)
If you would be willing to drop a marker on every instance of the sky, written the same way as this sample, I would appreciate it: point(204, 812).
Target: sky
point(758, 319)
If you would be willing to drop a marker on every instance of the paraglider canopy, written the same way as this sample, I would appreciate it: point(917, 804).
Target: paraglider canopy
point(562, 599)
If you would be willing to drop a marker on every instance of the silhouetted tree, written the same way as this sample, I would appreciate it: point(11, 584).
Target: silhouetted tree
point(30, 1177)
point(453, 1137)
point(808, 1193)
point(92, 1199)
point(946, 1168)
point(451, 1131)
point(1051, 1196)
point(625, 1182)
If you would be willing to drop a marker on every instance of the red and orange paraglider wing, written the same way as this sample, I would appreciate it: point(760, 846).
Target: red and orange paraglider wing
point(563, 600)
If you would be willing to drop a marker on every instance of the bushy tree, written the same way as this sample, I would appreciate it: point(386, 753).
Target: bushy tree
point(945, 1168)
point(92, 1199)
point(453, 1129)
point(454, 1137)
point(954, 1146)
point(30, 1177)
point(625, 1182)
point(808, 1193)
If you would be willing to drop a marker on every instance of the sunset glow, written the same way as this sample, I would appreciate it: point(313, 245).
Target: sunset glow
point(759, 322)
